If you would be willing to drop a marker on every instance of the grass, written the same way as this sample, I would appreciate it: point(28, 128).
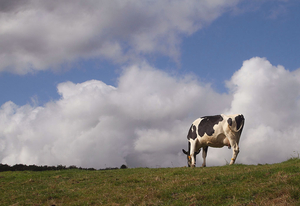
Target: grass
point(277, 184)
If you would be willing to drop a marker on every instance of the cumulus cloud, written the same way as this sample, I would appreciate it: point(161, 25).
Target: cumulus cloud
point(269, 97)
point(40, 35)
point(141, 122)
point(144, 120)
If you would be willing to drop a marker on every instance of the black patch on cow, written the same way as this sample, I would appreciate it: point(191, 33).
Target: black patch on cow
point(207, 123)
point(239, 121)
point(229, 121)
point(192, 133)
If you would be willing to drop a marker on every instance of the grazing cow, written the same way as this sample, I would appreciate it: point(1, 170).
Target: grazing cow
point(214, 131)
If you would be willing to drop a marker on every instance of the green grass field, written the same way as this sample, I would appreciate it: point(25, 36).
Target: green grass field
point(277, 184)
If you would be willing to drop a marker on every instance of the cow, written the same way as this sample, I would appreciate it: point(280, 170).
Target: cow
point(214, 131)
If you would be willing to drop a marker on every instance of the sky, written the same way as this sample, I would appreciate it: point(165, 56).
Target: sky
point(105, 83)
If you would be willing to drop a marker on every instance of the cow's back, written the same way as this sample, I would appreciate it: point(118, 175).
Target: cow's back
point(204, 126)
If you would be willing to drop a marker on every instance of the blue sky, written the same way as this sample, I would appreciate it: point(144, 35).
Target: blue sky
point(41, 86)
point(218, 50)
point(167, 61)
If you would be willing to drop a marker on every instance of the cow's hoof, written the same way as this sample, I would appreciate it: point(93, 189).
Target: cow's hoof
point(203, 165)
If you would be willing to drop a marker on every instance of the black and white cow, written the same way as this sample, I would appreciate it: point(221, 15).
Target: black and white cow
point(214, 131)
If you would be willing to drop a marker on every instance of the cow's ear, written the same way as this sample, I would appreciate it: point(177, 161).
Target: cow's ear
point(185, 152)
point(197, 152)
point(229, 121)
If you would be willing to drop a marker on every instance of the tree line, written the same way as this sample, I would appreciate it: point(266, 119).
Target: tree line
point(22, 167)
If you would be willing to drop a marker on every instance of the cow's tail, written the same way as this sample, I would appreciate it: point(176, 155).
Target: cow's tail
point(241, 127)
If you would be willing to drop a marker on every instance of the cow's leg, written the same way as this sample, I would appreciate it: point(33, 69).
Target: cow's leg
point(192, 153)
point(204, 154)
point(235, 151)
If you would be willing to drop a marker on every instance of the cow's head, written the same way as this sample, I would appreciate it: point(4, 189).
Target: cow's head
point(189, 158)
point(236, 123)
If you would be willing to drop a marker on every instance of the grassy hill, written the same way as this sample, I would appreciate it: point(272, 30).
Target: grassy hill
point(277, 184)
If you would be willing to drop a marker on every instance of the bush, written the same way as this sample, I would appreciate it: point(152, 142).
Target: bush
point(123, 167)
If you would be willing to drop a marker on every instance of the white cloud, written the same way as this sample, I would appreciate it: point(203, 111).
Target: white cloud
point(268, 96)
point(40, 35)
point(143, 122)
